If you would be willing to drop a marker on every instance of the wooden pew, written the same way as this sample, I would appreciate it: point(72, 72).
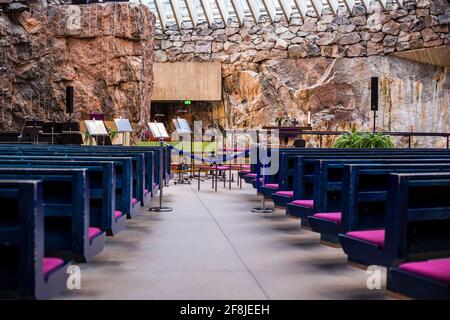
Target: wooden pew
point(137, 170)
point(416, 227)
point(152, 159)
point(66, 211)
point(344, 201)
point(284, 178)
point(122, 170)
point(102, 185)
point(25, 270)
point(309, 174)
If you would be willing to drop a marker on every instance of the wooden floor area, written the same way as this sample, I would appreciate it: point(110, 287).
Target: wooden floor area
point(212, 247)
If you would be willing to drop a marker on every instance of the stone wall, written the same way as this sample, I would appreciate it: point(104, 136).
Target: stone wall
point(415, 25)
point(324, 66)
point(104, 50)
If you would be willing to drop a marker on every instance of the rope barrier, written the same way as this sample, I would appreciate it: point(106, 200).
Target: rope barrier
point(206, 160)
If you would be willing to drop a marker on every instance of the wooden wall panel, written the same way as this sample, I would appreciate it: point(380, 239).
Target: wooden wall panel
point(197, 81)
point(436, 56)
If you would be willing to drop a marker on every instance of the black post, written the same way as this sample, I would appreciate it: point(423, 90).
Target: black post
point(160, 208)
point(374, 100)
point(374, 120)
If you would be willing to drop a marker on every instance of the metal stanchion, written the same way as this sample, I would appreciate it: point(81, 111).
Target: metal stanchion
point(160, 208)
point(263, 208)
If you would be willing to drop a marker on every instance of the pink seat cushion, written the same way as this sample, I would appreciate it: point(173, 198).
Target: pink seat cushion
point(271, 185)
point(330, 216)
point(304, 203)
point(246, 166)
point(93, 232)
point(223, 167)
point(134, 201)
point(437, 269)
point(251, 175)
point(117, 214)
point(285, 193)
point(372, 236)
point(51, 264)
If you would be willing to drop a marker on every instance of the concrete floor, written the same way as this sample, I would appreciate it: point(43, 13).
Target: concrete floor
point(212, 247)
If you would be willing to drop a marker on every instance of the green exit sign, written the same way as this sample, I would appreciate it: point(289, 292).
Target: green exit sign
point(187, 102)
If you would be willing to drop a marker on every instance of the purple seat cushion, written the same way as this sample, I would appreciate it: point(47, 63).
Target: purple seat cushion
point(134, 201)
point(117, 214)
point(330, 216)
point(372, 236)
point(271, 185)
point(93, 232)
point(304, 203)
point(51, 264)
point(285, 193)
point(437, 269)
point(251, 175)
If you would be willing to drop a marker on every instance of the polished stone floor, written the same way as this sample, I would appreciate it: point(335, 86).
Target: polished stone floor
point(212, 247)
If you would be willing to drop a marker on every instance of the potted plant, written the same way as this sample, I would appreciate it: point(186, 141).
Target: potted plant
point(371, 140)
point(280, 120)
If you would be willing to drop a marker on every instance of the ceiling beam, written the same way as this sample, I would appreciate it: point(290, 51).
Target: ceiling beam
point(318, 6)
point(366, 5)
point(238, 10)
point(193, 11)
point(270, 9)
point(223, 9)
point(206, 6)
point(254, 9)
point(175, 4)
point(161, 11)
point(286, 6)
point(301, 7)
point(334, 5)
point(349, 4)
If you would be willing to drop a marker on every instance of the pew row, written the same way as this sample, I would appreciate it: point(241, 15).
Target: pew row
point(25, 269)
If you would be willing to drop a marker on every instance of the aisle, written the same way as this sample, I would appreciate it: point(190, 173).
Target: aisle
point(213, 247)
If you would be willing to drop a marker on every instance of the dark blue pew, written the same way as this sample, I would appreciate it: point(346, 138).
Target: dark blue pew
point(289, 163)
point(102, 182)
point(152, 159)
point(417, 223)
point(309, 174)
point(346, 204)
point(25, 271)
point(123, 172)
point(137, 187)
point(287, 158)
point(66, 211)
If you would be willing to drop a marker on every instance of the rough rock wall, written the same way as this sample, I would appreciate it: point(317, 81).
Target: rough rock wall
point(337, 93)
point(324, 66)
point(104, 50)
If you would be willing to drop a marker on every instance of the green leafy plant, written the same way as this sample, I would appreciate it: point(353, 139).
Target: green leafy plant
point(280, 120)
point(112, 133)
point(367, 140)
